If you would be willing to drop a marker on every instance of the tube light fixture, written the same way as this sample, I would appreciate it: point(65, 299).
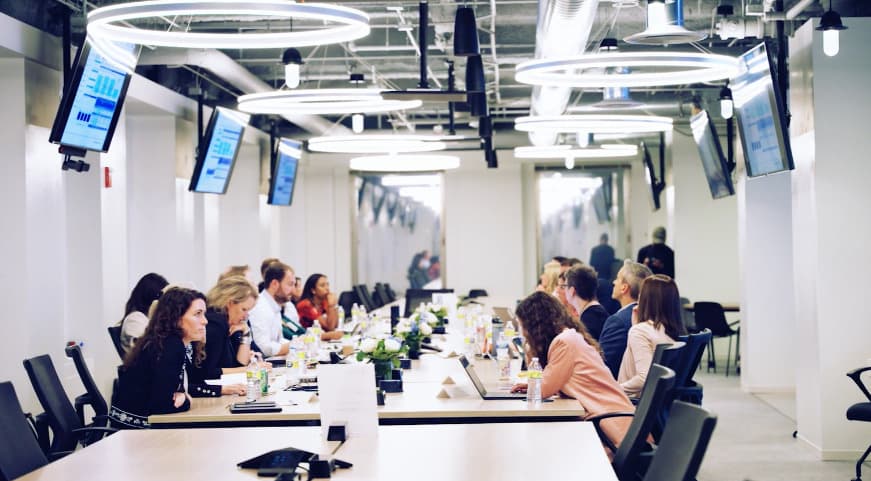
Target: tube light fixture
point(404, 163)
point(376, 144)
point(322, 101)
point(567, 151)
point(594, 124)
point(358, 123)
point(342, 24)
point(292, 61)
point(831, 25)
point(726, 105)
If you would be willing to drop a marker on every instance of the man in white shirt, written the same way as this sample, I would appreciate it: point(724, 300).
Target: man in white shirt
point(265, 317)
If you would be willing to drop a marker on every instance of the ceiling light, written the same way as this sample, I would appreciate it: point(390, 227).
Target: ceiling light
point(358, 123)
point(648, 69)
point(596, 124)
point(726, 105)
point(357, 79)
point(608, 44)
point(404, 163)
point(831, 25)
point(322, 101)
point(291, 60)
point(465, 32)
point(376, 144)
point(411, 180)
point(342, 23)
point(567, 151)
point(665, 25)
point(570, 163)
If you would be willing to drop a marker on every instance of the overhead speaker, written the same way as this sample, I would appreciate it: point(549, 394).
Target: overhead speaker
point(476, 86)
point(465, 33)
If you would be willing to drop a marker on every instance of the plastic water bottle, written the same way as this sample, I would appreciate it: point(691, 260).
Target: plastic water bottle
point(533, 384)
point(341, 313)
point(355, 313)
point(503, 360)
point(252, 376)
point(317, 331)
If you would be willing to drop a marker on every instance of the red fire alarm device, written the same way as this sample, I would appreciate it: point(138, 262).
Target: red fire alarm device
point(107, 177)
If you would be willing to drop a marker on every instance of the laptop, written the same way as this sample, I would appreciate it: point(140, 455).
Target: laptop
point(482, 390)
point(505, 314)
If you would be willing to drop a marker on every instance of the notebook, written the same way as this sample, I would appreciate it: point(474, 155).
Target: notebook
point(482, 390)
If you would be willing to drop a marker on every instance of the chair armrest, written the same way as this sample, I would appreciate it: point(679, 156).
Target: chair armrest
point(602, 436)
point(91, 434)
point(57, 455)
point(600, 417)
point(80, 403)
point(855, 375)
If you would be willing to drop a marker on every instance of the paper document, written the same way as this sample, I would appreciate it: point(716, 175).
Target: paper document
point(228, 379)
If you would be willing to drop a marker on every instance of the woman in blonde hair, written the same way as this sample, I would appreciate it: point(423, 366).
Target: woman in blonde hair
point(228, 336)
point(549, 279)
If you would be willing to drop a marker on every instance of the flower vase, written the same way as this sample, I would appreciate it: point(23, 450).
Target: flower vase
point(413, 348)
point(383, 370)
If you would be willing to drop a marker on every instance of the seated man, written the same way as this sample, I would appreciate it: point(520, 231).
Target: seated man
point(265, 317)
point(627, 285)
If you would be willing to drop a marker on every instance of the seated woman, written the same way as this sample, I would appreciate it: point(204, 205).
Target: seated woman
point(151, 381)
point(135, 320)
point(655, 320)
point(572, 362)
point(581, 285)
point(228, 336)
point(317, 302)
point(549, 278)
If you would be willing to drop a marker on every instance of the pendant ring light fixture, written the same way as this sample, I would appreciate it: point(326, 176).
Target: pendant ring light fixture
point(594, 124)
point(342, 23)
point(566, 151)
point(647, 69)
point(376, 144)
point(322, 101)
point(404, 163)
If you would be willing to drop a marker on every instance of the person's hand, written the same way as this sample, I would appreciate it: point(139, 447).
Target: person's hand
point(230, 389)
point(242, 326)
point(519, 387)
point(265, 365)
point(332, 299)
point(332, 335)
point(178, 399)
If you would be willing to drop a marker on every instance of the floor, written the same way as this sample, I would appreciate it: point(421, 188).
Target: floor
point(753, 438)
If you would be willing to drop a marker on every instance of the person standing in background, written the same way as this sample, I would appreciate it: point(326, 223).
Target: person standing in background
point(658, 256)
point(602, 257)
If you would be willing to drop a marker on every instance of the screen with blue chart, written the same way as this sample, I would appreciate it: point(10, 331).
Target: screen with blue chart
point(284, 175)
point(221, 144)
point(711, 154)
point(90, 109)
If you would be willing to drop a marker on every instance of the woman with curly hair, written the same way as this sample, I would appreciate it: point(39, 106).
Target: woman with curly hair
point(151, 381)
point(571, 361)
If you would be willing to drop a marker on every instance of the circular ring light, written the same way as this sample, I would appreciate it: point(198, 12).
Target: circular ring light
point(594, 124)
point(568, 151)
point(342, 24)
point(376, 144)
point(404, 163)
point(647, 69)
point(322, 101)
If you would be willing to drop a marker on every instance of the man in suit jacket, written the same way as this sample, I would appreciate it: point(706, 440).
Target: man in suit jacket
point(627, 284)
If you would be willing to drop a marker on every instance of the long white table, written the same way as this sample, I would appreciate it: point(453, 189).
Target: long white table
point(488, 452)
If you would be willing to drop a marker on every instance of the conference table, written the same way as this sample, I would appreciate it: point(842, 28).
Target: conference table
point(727, 307)
point(483, 452)
point(436, 390)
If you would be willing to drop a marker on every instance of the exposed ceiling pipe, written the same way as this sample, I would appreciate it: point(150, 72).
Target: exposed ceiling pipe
point(790, 14)
point(228, 69)
point(563, 29)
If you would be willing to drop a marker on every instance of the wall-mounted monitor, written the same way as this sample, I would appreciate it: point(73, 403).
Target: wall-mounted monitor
point(284, 172)
point(91, 105)
point(759, 108)
point(217, 151)
point(711, 153)
point(652, 182)
point(601, 205)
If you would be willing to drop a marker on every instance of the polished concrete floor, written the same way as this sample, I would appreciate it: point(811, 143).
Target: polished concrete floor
point(753, 438)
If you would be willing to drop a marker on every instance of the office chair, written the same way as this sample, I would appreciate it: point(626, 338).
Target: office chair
point(860, 412)
point(391, 294)
point(92, 396)
point(684, 443)
point(363, 296)
point(67, 430)
point(710, 315)
point(347, 299)
point(657, 387)
point(20, 452)
point(685, 388)
point(115, 335)
point(477, 293)
point(379, 296)
point(668, 355)
point(687, 316)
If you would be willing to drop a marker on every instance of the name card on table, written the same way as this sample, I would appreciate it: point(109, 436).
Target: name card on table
point(448, 300)
point(347, 397)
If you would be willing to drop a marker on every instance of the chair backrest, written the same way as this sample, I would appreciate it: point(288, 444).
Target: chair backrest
point(93, 396)
point(20, 452)
point(691, 357)
point(416, 297)
point(669, 354)
point(710, 315)
point(62, 418)
point(381, 290)
point(477, 293)
point(347, 300)
point(657, 387)
point(391, 294)
point(856, 376)
point(115, 335)
point(362, 293)
point(689, 319)
point(683, 444)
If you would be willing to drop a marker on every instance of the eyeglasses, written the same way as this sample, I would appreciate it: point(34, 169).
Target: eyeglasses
point(563, 286)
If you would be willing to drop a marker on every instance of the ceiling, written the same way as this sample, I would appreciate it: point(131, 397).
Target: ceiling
point(507, 34)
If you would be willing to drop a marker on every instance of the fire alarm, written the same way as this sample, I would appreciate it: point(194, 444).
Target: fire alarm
point(107, 177)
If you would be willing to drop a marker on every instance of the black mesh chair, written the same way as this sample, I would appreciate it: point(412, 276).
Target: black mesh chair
point(710, 315)
point(391, 294)
point(473, 293)
point(67, 431)
point(657, 387)
point(115, 335)
point(668, 355)
point(92, 396)
point(379, 297)
point(347, 300)
point(363, 296)
point(685, 388)
point(860, 412)
point(19, 451)
point(684, 443)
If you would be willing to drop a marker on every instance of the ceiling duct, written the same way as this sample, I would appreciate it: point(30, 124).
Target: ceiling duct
point(617, 97)
point(665, 25)
point(562, 30)
point(238, 76)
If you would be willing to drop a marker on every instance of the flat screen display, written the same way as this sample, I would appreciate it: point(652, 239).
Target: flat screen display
point(284, 174)
point(218, 150)
point(711, 153)
point(600, 204)
point(90, 108)
point(650, 177)
point(759, 108)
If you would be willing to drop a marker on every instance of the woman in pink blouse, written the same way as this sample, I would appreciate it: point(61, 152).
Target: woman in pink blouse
point(572, 362)
point(659, 307)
